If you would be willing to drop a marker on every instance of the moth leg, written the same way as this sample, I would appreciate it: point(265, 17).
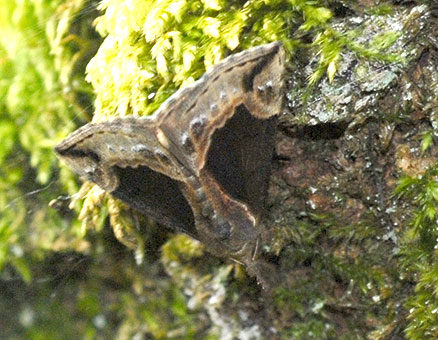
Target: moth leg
point(267, 274)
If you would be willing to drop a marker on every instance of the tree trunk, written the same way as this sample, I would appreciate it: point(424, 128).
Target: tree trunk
point(352, 263)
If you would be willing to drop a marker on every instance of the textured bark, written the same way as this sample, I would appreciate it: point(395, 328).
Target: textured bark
point(337, 228)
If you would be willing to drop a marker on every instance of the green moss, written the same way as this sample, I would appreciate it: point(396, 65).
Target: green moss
point(382, 9)
point(336, 269)
point(181, 248)
point(422, 191)
point(427, 141)
point(152, 48)
point(331, 43)
point(37, 111)
point(315, 329)
point(419, 253)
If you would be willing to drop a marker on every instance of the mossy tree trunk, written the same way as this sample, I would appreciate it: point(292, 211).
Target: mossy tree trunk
point(353, 197)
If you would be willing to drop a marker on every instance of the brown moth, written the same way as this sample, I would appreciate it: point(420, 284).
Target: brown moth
point(201, 164)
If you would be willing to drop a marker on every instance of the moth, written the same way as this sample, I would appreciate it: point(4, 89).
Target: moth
point(201, 164)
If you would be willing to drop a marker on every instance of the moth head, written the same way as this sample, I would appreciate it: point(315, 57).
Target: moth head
point(87, 164)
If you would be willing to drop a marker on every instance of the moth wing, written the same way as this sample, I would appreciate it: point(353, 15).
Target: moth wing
point(125, 159)
point(223, 125)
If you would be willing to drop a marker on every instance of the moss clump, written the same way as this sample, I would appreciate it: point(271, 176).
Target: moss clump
point(419, 253)
point(151, 48)
point(337, 279)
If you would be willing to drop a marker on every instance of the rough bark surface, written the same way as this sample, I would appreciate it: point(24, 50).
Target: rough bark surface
point(340, 236)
